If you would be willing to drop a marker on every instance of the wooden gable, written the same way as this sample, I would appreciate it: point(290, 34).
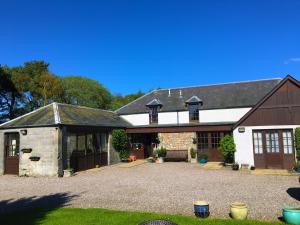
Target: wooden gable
point(280, 107)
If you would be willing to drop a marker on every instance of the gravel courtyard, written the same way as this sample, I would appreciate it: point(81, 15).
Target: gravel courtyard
point(165, 188)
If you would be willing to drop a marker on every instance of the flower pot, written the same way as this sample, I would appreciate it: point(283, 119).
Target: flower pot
point(202, 161)
point(160, 160)
point(68, 173)
point(193, 160)
point(201, 209)
point(238, 211)
point(291, 215)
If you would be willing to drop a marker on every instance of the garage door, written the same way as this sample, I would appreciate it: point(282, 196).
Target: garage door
point(11, 146)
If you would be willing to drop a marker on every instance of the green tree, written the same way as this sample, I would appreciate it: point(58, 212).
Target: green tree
point(86, 92)
point(297, 141)
point(120, 143)
point(119, 100)
point(227, 147)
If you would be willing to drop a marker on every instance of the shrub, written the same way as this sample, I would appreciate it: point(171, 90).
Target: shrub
point(297, 141)
point(161, 152)
point(120, 143)
point(193, 153)
point(203, 156)
point(227, 147)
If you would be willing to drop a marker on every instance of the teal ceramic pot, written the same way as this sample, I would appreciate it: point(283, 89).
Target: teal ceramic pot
point(291, 215)
point(202, 161)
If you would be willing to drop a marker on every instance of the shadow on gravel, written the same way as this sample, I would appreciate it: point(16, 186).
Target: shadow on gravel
point(294, 193)
point(29, 211)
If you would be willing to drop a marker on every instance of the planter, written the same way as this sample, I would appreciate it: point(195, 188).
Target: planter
point(238, 211)
point(68, 173)
point(201, 209)
point(160, 160)
point(26, 150)
point(291, 215)
point(150, 160)
point(235, 167)
point(34, 158)
point(203, 161)
point(193, 160)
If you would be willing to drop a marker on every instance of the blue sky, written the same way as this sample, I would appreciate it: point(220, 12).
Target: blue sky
point(143, 44)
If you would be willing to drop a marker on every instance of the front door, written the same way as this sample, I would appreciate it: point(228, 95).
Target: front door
point(273, 149)
point(11, 146)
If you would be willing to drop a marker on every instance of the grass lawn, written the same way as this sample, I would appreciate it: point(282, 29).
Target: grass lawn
point(70, 216)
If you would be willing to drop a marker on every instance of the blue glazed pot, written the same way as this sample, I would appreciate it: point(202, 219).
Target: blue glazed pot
point(291, 215)
point(201, 209)
point(202, 161)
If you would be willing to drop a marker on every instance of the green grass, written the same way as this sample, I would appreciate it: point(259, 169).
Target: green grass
point(70, 216)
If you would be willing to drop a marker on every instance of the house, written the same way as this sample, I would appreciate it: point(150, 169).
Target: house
point(56, 137)
point(261, 115)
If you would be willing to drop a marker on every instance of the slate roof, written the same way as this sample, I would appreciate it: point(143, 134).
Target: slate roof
point(58, 113)
point(193, 99)
point(154, 102)
point(218, 96)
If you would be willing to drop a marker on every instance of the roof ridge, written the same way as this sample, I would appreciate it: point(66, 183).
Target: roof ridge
point(19, 117)
point(217, 84)
point(86, 107)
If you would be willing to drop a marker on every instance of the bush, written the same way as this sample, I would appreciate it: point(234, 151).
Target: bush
point(227, 147)
point(193, 153)
point(120, 143)
point(297, 141)
point(203, 156)
point(161, 152)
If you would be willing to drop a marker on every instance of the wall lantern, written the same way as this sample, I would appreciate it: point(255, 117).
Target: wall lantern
point(24, 132)
point(241, 129)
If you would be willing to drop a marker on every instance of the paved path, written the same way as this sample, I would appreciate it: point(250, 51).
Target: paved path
point(165, 188)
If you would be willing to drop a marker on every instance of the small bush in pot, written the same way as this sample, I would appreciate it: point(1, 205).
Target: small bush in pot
point(161, 154)
point(227, 147)
point(193, 155)
point(203, 158)
point(235, 166)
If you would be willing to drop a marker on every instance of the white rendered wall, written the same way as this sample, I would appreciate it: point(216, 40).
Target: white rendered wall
point(167, 118)
point(137, 119)
point(184, 117)
point(244, 142)
point(222, 115)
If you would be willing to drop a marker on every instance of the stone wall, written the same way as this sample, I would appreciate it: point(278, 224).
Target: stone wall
point(44, 142)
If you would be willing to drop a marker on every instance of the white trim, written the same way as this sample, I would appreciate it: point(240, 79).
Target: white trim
point(24, 115)
point(56, 113)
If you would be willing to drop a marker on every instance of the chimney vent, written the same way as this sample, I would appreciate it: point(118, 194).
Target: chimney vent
point(180, 93)
point(169, 93)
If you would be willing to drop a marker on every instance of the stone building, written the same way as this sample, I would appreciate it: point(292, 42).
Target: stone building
point(58, 136)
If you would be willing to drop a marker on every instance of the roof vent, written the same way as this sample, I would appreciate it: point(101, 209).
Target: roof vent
point(180, 93)
point(169, 95)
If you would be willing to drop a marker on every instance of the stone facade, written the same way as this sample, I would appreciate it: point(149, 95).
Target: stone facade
point(44, 142)
point(177, 141)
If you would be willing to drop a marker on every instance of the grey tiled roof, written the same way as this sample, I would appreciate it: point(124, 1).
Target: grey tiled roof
point(57, 113)
point(219, 96)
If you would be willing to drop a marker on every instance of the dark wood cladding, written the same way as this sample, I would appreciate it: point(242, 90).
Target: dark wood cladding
point(80, 161)
point(282, 107)
point(178, 129)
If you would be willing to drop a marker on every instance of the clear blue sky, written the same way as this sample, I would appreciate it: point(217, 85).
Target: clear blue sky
point(143, 44)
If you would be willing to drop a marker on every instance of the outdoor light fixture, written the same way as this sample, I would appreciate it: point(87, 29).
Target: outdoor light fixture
point(24, 132)
point(241, 129)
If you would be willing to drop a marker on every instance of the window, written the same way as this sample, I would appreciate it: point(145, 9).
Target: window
point(153, 114)
point(272, 141)
point(215, 139)
point(203, 140)
point(12, 144)
point(287, 142)
point(257, 139)
point(194, 112)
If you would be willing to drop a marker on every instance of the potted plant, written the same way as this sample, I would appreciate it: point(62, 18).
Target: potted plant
point(68, 172)
point(227, 147)
point(194, 140)
point(120, 143)
point(193, 155)
point(161, 154)
point(203, 158)
point(238, 211)
point(297, 167)
point(235, 166)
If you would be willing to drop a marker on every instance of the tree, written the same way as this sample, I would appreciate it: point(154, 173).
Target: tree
point(227, 147)
point(120, 143)
point(86, 92)
point(297, 141)
point(119, 100)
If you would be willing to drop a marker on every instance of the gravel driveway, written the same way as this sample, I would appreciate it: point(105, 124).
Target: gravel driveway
point(165, 188)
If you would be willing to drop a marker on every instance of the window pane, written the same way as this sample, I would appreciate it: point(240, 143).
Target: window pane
point(153, 114)
point(194, 112)
point(203, 140)
point(287, 142)
point(257, 139)
point(215, 139)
